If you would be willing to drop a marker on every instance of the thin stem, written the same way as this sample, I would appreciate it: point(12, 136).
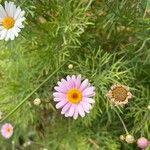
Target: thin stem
point(26, 98)
point(13, 145)
point(142, 123)
point(121, 121)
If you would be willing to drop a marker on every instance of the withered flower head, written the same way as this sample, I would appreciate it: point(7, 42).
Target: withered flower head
point(119, 95)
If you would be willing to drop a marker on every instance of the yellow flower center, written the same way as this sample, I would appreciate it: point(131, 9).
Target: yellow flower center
point(8, 22)
point(8, 130)
point(74, 96)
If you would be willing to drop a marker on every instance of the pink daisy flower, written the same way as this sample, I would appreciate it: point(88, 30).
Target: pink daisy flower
point(74, 96)
point(7, 130)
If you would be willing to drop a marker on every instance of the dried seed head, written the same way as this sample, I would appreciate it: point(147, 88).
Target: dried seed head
point(119, 95)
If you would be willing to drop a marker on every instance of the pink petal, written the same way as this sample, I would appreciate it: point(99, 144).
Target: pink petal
point(61, 89)
point(89, 100)
point(58, 99)
point(78, 81)
point(75, 116)
point(80, 110)
point(59, 95)
point(84, 84)
point(86, 104)
point(59, 83)
point(85, 107)
point(65, 84)
point(74, 80)
point(65, 108)
point(67, 113)
point(70, 81)
point(71, 110)
point(88, 91)
point(61, 104)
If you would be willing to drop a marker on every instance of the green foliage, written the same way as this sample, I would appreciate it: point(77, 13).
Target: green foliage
point(107, 42)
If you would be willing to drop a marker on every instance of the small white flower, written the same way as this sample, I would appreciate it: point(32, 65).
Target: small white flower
point(37, 101)
point(122, 137)
point(148, 107)
point(11, 19)
point(70, 66)
point(129, 139)
point(29, 143)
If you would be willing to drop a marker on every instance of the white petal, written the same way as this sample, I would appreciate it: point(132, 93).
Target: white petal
point(8, 35)
point(17, 29)
point(7, 8)
point(1, 28)
point(2, 12)
point(18, 11)
point(12, 36)
point(21, 19)
point(18, 24)
point(19, 14)
point(3, 34)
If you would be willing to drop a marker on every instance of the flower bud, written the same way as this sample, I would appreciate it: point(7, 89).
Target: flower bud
point(70, 66)
point(142, 143)
point(129, 139)
point(122, 137)
point(37, 101)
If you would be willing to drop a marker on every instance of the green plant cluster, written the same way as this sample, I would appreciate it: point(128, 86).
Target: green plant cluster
point(107, 41)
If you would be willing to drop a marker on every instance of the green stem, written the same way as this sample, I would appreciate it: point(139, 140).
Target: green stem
point(26, 98)
point(13, 145)
point(121, 121)
point(143, 122)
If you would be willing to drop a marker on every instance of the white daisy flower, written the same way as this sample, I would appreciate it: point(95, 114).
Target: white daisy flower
point(11, 19)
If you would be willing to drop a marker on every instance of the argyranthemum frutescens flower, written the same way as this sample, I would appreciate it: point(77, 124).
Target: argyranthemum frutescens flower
point(119, 95)
point(11, 19)
point(7, 130)
point(74, 96)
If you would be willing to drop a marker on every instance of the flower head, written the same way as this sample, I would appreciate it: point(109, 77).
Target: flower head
point(119, 94)
point(11, 19)
point(122, 137)
point(7, 130)
point(37, 101)
point(129, 139)
point(70, 66)
point(142, 143)
point(74, 96)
